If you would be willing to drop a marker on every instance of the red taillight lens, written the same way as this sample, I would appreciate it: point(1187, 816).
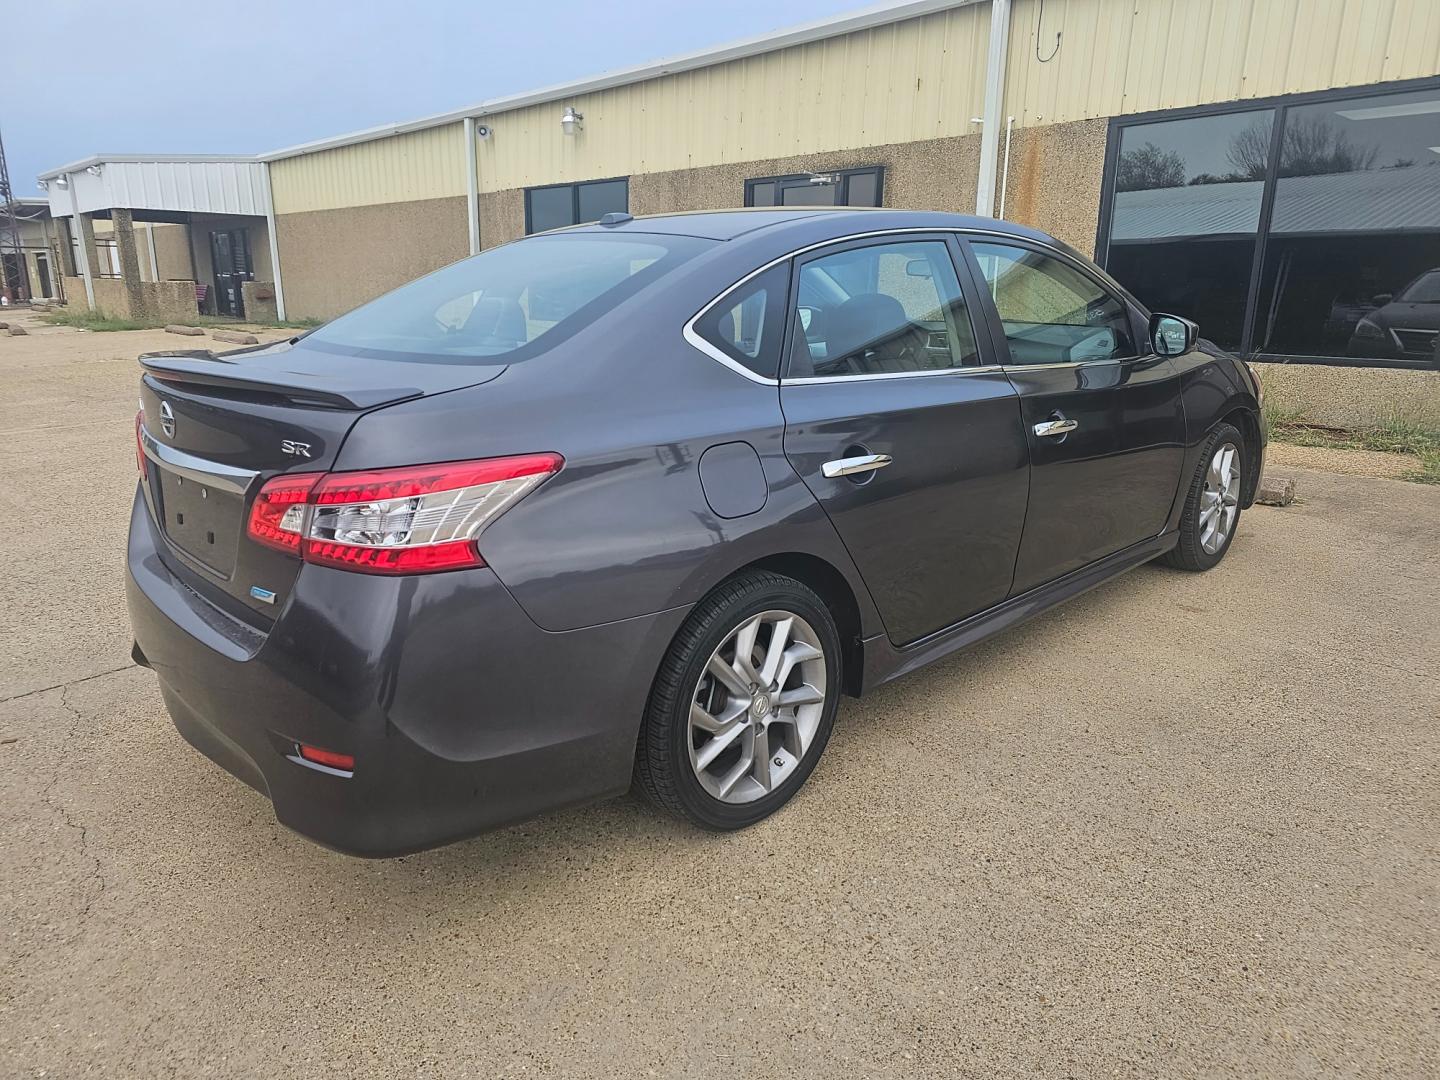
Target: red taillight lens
point(411, 520)
point(328, 758)
point(277, 516)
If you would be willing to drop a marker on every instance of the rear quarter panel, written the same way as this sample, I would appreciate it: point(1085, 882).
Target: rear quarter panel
point(625, 528)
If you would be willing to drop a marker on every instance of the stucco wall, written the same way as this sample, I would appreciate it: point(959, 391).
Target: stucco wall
point(1055, 177)
point(333, 260)
point(1352, 397)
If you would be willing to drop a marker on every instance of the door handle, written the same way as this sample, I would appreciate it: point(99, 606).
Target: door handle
point(849, 466)
point(1051, 428)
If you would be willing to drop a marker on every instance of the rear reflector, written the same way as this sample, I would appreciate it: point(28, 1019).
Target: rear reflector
point(411, 520)
point(329, 758)
point(139, 444)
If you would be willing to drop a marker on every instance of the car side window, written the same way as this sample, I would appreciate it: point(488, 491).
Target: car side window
point(747, 324)
point(881, 309)
point(1052, 313)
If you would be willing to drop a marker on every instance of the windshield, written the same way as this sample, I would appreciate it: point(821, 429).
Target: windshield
point(1423, 290)
point(505, 304)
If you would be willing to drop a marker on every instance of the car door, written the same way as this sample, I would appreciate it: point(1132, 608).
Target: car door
point(907, 436)
point(1101, 412)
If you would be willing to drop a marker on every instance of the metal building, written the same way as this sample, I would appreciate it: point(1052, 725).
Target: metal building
point(1212, 153)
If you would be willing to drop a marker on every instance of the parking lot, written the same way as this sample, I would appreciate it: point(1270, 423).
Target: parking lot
point(1183, 826)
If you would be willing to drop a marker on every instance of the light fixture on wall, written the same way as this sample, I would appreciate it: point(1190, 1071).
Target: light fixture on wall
point(570, 122)
point(44, 185)
point(62, 180)
point(94, 170)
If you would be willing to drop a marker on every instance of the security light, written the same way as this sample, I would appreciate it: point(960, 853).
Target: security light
point(570, 122)
point(62, 180)
point(93, 170)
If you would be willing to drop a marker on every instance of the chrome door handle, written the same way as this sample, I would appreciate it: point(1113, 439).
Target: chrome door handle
point(849, 466)
point(1051, 428)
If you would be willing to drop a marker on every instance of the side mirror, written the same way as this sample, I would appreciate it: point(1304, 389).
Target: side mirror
point(1380, 299)
point(1171, 335)
point(919, 268)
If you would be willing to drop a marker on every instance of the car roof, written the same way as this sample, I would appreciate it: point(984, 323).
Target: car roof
point(834, 222)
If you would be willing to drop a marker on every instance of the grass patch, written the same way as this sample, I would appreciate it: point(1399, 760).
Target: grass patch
point(101, 323)
point(1390, 437)
point(97, 321)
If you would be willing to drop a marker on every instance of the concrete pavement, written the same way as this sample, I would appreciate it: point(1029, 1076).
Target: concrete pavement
point(1184, 826)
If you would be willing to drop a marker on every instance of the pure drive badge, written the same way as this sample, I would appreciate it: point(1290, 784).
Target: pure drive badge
point(264, 595)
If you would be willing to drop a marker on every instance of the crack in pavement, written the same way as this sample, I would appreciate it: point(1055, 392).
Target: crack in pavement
point(67, 685)
point(47, 797)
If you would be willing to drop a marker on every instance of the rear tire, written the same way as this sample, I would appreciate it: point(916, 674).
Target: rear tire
point(1212, 503)
point(743, 705)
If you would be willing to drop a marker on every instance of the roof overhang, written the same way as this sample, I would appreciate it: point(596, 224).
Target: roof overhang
point(196, 184)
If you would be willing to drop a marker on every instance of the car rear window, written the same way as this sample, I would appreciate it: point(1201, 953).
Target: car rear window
point(506, 304)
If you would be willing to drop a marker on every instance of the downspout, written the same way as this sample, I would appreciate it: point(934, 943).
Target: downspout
point(994, 105)
point(80, 242)
point(274, 243)
point(472, 190)
point(1005, 168)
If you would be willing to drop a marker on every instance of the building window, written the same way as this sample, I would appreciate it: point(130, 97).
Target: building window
point(561, 205)
point(847, 187)
point(1306, 229)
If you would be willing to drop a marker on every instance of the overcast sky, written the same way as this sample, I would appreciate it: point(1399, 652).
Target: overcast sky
point(198, 77)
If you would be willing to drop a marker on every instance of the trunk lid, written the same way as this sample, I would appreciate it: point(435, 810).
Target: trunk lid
point(216, 428)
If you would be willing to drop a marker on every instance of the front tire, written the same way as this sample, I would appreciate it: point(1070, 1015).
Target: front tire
point(1212, 504)
point(743, 705)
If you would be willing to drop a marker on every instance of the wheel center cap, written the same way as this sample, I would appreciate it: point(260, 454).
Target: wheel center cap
point(760, 705)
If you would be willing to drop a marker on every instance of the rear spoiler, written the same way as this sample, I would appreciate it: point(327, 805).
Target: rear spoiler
point(203, 367)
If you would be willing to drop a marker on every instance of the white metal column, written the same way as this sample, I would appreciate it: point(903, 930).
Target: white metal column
point(472, 191)
point(994, 106)
point(274, 243)
point(79, 238)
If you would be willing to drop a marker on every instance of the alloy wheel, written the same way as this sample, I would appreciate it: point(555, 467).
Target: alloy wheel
point(757, 706)
point(1220, 498)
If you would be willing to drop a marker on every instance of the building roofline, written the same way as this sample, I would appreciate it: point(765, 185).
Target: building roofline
point(878, 15)
point(102, 159)
point(835, 26)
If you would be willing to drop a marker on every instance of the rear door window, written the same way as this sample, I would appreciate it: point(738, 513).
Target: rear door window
point(880, 309)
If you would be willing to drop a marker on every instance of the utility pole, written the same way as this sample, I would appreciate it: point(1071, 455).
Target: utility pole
point(10, 224)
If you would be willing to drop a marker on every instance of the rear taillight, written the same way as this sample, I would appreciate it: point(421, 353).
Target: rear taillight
point(394, 521)
point(277, 516)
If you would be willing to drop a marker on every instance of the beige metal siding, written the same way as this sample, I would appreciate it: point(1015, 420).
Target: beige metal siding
point(1121, 57)
point(918, 79)
point(428, 164)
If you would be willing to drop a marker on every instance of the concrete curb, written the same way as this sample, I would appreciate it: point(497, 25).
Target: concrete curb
point(188, 331)
point(1276, 491)
point(235, 336)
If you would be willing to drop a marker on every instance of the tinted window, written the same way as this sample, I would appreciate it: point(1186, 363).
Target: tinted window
point(846, 187)
point(562, 205)
point(882, 309)
point(551, 208)
point(1185, 216)
point(747, 324)
point(507, 303)
point(1052, 313)
point(1356, 221)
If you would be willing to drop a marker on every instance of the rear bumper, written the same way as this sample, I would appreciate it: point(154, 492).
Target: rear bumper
point(461, 713)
